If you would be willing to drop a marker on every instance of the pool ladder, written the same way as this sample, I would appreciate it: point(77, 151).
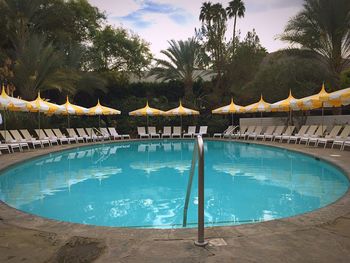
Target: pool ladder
point(198, 155)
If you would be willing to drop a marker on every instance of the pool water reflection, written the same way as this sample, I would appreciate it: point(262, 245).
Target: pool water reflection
point(143, 184)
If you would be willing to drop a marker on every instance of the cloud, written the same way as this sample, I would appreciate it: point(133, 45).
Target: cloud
point(268, 5)
point(158, 21)
point(140, 17)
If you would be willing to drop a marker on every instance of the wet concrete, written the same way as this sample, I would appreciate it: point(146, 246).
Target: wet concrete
point(320, 236)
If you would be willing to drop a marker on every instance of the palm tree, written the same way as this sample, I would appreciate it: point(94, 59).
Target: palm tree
point(182, 64)
point(323, 26)
point(206, 13)
point(235, 9)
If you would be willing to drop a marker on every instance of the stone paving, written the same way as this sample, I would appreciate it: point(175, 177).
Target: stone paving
point(320, 236)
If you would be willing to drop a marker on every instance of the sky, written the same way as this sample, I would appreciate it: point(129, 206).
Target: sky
point(158, 21)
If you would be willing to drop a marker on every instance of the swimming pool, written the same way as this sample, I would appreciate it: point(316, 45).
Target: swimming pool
point(143, 184)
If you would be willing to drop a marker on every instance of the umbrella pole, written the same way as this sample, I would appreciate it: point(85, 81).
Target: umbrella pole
point(147, 121)
point(5, 124)
point(232, 119)
point(260, 118)
point(322, 118)
point(99, 121)
point(181, 123)
point(39, 125)
point(68, 121)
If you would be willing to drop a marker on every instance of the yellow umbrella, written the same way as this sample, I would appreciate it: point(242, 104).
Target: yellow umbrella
point(260, 106)
point(181, 111)
point(71, 109)
point(39, 105)
point(285, 105)
point(337, 98)
point(12, 104)
point(102, 110)
point(146, 111)
point(229, 109)
point(311, 102)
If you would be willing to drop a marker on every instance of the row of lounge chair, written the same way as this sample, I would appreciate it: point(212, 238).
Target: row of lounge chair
point(169, 132)
point(21, 139)
point(308, 134)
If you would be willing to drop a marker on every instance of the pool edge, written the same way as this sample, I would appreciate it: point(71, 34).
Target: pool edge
point(319, 216)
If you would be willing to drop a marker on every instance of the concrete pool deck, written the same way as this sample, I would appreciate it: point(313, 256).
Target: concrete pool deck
point(320, 236)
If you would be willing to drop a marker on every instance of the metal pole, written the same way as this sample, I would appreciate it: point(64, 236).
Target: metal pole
point(189, 184)
point(39, 126)
point(5, 128)
point(181, 123)
point(200, 242)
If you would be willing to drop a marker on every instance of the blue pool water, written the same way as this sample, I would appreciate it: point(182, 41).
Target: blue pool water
point(143, 184)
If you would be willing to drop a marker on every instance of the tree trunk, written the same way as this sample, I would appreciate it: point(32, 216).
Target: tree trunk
point(188, 89)
point(234, 34)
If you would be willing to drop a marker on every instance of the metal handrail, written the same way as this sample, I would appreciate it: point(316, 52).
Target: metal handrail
point(198, 154)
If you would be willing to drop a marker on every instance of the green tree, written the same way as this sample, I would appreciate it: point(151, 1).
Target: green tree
point(212, 32)
point(323, 26)
point(67, 23)
point(235, 9)
point(182, 64)
point(116, 50)
point(245, 63)
point(293, 69)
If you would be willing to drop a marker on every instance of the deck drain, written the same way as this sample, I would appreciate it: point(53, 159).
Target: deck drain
point(217, 242)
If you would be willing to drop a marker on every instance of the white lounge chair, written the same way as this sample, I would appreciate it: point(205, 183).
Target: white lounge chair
point(269, 131)
point(229, 130)
point(115, 134)
point(28, 136)
point(249, 130)
point(339, 140)
point(328, 138)
point(60, 135)
point(190, 132)
point(71, 132)
point(319, 133)
point(277, 133)
point(285, 135)
point(203, 130)
point(104, 132)
point(166, 132)
point(311, 133)
point(176, 132)
point(346, 143)
point(153, 132)
point(242, 129)
point(43, 136)
point(52, 137)
point(91, 132)
point(258, 130)
point(141, 132)
point(6, 147)
point(298, 135)
point(18, 137)
point(14, 144)
point(82, 133)
point(10, 146)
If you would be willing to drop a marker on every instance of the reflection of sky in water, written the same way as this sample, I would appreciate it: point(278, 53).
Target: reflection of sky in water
point(143, 184)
